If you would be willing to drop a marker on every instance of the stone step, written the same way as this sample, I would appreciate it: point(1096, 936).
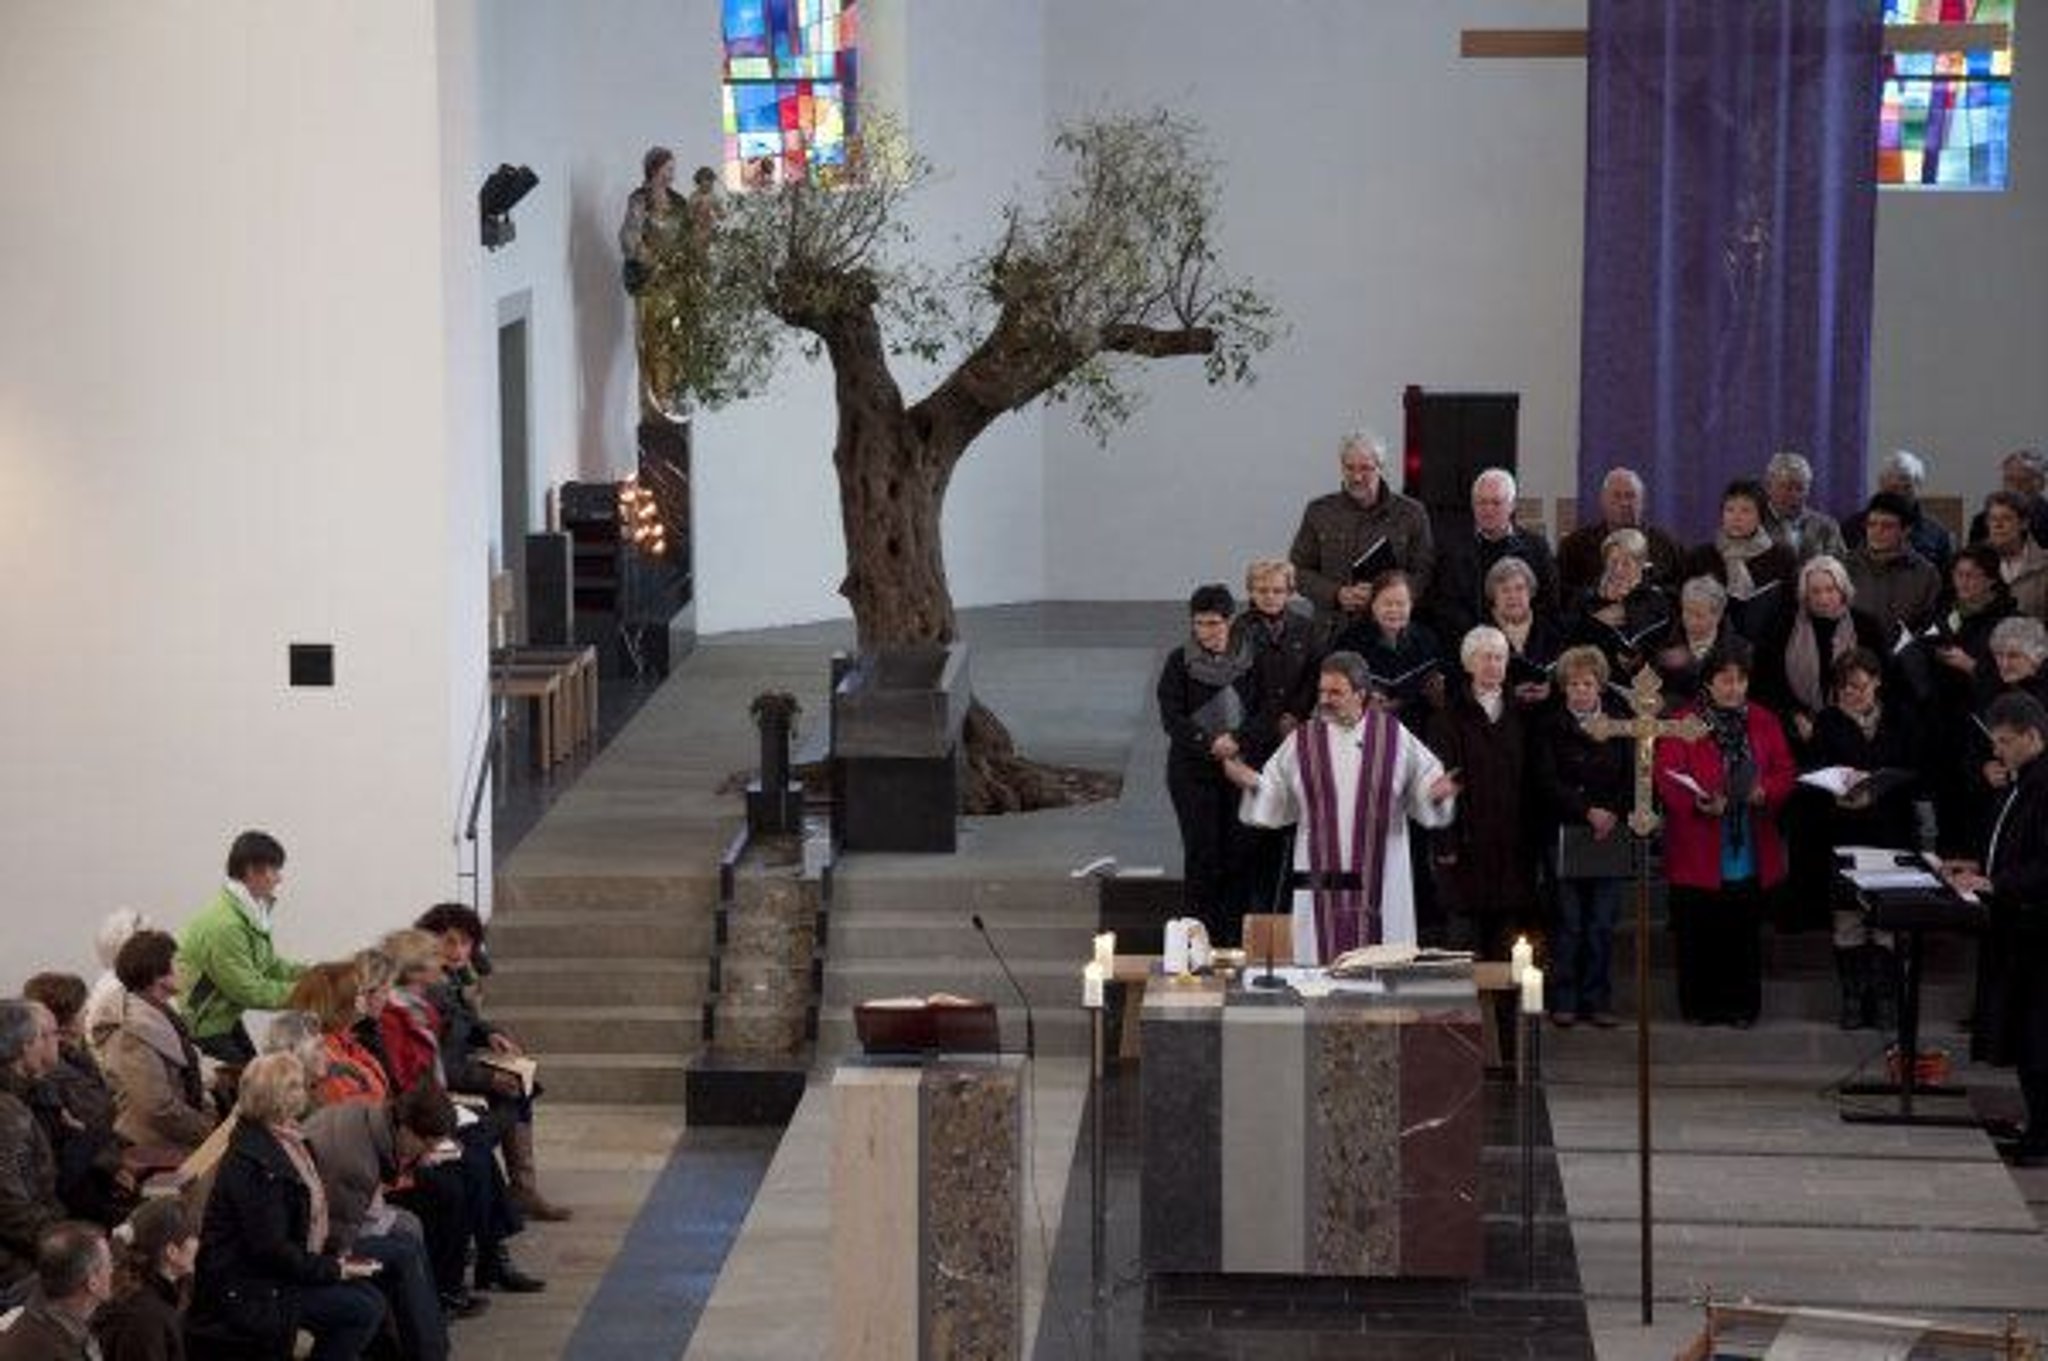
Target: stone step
point(1062, 1031)
point(1813, 997)
point(616, 1079)
point(1588, 1052)
point(548, 1030)
point(621, 933)
point(1038, 895)
point(1047, 983)
point(595, 983)
point(515, 893)
point(898, 934)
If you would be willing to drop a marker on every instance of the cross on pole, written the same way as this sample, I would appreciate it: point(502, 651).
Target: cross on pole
point(1644, 727)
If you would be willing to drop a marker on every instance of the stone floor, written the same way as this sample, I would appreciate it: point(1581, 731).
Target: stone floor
point(710, 1244)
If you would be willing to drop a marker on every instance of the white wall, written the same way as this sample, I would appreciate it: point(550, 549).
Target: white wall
point(578, 94)
point(226, 407)
point(1961, 329)
point(1416, 218)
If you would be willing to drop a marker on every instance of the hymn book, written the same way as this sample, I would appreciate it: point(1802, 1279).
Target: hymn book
point(521, 1066)
point(1373, 561)
point(1854, 788)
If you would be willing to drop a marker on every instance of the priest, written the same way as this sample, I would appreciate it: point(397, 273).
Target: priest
point(1351, 778)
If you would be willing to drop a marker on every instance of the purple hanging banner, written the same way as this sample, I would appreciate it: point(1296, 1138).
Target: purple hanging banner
point(1731, 210)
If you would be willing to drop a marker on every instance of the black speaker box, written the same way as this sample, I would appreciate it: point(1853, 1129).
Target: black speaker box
point(550, 590)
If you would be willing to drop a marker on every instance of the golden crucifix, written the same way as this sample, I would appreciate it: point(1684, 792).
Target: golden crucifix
point(1644, 698)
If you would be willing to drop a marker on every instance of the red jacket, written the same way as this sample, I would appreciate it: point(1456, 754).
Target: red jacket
point(411, 1028)
point(1692, 839)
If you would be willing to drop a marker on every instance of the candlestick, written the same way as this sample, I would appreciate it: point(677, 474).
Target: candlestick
point(1105, 952)
point(1532, 991)
point(1092, 976)
point(1520, 958)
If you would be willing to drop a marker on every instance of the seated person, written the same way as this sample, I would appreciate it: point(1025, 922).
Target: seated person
point(263, 1273)
point(75, 1276)
point(154, 1252)
point(467, 1037)
point(76, 1111)
point(28, 1166)
point(103, 1000)
point(160, 1097)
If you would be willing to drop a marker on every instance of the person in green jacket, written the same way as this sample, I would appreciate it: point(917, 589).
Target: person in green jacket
point(226, 963)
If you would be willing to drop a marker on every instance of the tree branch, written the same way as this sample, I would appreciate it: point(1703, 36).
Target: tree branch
point(1153, 343)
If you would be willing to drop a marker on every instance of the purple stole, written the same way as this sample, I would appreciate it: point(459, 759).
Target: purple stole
point(1347, 917)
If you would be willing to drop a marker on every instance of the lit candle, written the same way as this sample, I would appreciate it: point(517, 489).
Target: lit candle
point(1519, 959)
point(1532, 991)
point(1105, 952)
point(1092, 975)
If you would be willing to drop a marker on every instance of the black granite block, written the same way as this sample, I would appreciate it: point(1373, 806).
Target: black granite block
point(720, 1090)
point(1181, 1225)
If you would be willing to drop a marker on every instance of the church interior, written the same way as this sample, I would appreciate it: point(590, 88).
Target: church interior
point(255, 358)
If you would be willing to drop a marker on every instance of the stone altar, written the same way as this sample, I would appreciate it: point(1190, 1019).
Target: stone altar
point(928, 1208)
point(1336, 1136)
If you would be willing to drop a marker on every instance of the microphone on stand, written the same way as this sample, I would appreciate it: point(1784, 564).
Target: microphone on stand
point(1030, 1023)
point(1268, 979)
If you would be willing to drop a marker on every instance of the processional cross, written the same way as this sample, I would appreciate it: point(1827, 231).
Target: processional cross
point(1645, 698)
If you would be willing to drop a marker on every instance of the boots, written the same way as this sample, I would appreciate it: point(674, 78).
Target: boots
point(1849, 977)
point(519, 1170)
point(495, 1271)
point(1881, 992)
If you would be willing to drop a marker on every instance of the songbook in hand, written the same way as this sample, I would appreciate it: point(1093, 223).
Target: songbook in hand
point(1374, 560)
point(1522, 671)
point(1854, 788)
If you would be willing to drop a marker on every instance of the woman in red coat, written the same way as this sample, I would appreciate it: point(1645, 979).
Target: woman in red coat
point(1721, 796)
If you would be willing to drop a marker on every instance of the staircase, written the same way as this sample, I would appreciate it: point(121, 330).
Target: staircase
point(896, 937)
point(605, 980)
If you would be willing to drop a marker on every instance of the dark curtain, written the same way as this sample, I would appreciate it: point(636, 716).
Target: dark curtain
point(1731, 151)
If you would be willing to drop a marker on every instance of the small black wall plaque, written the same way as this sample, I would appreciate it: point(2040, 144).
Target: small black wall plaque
point(312, 663)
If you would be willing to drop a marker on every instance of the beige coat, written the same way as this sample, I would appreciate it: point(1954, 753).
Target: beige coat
point(145, 1065)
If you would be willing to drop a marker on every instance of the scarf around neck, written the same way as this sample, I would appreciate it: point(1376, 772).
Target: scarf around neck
point(1730, 731)
point(1217, 668)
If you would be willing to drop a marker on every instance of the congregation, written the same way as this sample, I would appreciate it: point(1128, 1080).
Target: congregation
point(1412, 698)
point(171, 1186)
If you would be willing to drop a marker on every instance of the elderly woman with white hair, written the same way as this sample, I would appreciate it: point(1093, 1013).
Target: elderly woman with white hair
point(1796, 662)
point(1484, 860)
point(104, 1001)
point(1697, 629)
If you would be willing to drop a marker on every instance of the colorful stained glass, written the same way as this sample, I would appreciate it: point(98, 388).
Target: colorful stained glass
point(791, 68)
point(1945, 116)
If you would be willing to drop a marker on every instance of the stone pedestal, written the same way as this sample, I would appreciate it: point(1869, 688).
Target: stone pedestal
point(1334, 1137)
point(762, 1013)
point(897, 717)
point(927, 1209)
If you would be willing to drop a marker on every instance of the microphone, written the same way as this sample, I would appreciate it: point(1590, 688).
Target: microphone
point(1030, 1023)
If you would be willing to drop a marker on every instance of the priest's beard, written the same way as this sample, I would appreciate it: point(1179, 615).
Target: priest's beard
point(1337, 718)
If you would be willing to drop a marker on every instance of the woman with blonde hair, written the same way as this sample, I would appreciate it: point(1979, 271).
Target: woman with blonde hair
point(347, 1072)
point(264, 1271)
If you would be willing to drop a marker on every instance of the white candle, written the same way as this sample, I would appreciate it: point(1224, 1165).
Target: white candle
point(1092, 975)
point(1532, 991)
point(1520, 958)
point(1105, 952)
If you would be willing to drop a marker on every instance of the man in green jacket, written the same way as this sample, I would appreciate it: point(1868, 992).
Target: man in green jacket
point(226, 964)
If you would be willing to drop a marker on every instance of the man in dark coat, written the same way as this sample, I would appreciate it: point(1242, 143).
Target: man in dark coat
point(74, 1276)
point(1336, 530)
point(28, 1168)
point(1457, 598)
point(1581, 554)
point(2015, 875)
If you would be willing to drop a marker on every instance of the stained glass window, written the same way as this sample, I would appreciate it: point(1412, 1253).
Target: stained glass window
point(790, 75)
point(1945, 115)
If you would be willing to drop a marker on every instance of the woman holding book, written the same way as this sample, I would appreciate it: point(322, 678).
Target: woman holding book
point(1587, 784)
point(1823, 627)
point(1621, 614)
point(1534, 640)
point(1874, 748)
point(1721, 794)
point(1206, 691)
point(1402, 657)
point(1965, 677)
